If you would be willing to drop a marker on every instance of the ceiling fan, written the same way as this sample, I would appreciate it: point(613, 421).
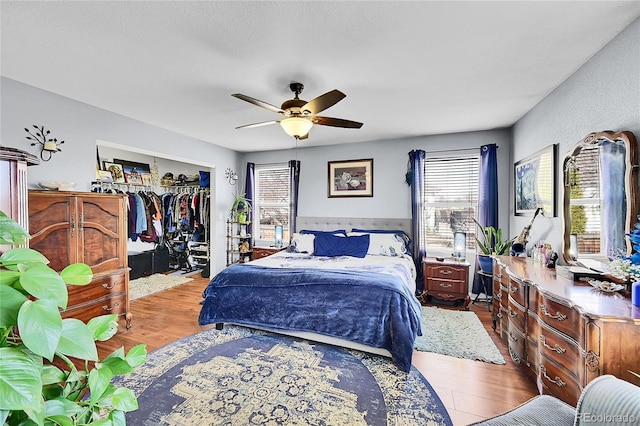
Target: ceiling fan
point(299, 116)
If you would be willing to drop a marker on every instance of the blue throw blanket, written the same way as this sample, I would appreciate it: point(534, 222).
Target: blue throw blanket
point(364, 307)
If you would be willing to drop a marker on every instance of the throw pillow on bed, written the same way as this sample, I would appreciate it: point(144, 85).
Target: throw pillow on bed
point(384, 244)
point(302, 243)
point(332, 245)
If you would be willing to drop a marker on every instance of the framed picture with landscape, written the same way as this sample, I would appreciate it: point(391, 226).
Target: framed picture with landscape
point(116, 171)
point(352, 178)
point(535, 183)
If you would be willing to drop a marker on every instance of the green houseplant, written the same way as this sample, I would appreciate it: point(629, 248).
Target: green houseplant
point(241, 208)
point(35, 341)
point(492, 243)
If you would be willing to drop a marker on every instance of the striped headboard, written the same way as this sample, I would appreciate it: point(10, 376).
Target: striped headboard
point(348, 223)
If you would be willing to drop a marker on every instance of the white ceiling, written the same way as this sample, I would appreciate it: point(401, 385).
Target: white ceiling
point(407, 68)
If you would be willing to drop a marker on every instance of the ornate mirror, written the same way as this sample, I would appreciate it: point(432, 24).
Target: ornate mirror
point(600, 177)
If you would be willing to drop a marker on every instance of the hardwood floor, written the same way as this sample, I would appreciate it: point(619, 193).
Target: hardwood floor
point(471, 390)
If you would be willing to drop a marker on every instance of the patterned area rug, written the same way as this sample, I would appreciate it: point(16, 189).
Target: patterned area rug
point(456, 333)
point(239, 376)
point(145, 286)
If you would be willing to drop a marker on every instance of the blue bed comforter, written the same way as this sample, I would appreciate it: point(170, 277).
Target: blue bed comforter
point(364, 307)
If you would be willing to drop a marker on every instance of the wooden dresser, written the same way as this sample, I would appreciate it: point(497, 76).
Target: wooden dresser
point(70, 227)
point(260, 252)
point(564, 333)
point(446, 280)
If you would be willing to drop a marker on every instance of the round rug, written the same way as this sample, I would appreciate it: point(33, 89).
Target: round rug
point(239, 376)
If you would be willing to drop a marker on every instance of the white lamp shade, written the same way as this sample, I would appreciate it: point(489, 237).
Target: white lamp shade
point(296, 126)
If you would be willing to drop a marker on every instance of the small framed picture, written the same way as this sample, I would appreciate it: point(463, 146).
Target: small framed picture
point(133, 167)
point(133, 178)
point(106, 176)
point(352, 178)
point(146, 179)
point(117, 173)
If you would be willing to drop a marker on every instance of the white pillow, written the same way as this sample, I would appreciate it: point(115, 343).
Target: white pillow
point(384, 244)
point(301, 243)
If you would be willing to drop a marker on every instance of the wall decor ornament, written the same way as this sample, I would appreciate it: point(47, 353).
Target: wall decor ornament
point(41, 136)
point(535, 183)
point(351, 178)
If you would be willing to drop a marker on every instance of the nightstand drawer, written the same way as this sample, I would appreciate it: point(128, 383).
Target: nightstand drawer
point(447, 272)
point(446, 285)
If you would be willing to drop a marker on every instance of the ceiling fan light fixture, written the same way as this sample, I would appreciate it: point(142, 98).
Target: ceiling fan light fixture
point(296, 127)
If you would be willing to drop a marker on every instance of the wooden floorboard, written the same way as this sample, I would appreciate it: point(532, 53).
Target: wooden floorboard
point(470, 390)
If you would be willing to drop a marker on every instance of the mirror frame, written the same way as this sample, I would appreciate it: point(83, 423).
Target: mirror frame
point(630, 184)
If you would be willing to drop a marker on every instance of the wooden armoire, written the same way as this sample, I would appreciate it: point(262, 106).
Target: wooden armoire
point(70, 227)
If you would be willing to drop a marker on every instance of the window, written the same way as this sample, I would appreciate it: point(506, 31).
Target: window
point(271, 202)
point(450, 201)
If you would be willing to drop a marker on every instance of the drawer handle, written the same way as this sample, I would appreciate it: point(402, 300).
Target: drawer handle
point(110, 308)
point(497, 296)
point(107, 286)
point(514, 356)
point(499, 315)
point(557, 381)
point(513, 289)
point(446, 272)
point(512, 338)
point(557, 348)
point(512, 313)
point(446, 285)
point(558, 315)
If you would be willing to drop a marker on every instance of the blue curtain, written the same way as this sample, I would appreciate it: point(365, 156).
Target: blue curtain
point(416, 179)
point(614, 203)
point(487, 201)
point(294, 185)
point(249, 191)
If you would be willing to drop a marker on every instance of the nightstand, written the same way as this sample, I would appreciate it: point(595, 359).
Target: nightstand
point(446, 280)
point(260, 252)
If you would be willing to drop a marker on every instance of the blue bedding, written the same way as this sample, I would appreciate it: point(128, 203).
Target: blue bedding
point(370, 308)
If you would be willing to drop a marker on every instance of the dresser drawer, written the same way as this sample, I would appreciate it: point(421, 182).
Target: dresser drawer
point(517, 291)
point(100, 287)
point(516, 314)
point(561, 317)
point(516, 341)
point(114, 305)
point(448, 286)
point(447, 272)
point(558, 382)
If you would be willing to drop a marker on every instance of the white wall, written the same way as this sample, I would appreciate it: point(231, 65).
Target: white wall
point(81, 126)
point(391, 195)
point(604, 94)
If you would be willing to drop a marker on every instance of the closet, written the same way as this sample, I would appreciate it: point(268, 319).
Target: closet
point(71, 227)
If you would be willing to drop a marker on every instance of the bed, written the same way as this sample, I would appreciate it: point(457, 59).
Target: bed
point(348, 282)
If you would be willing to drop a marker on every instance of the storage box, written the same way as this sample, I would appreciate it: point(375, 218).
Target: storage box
point(160, 259)
point(140, 264)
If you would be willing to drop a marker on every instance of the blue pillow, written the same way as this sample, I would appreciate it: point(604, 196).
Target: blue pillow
point(314, 232)
point(331, 245)
point(407, 240)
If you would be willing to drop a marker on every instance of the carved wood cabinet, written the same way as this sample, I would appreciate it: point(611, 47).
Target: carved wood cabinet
point(446, 280)
point(564, 333)
point(70, 227)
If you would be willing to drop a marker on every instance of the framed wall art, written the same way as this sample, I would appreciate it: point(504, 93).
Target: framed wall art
point(132, 167)
point(535, 183)
point(352, 178)
point(116, 171)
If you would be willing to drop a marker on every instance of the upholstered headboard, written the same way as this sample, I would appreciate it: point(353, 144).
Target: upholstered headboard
point(348, 223)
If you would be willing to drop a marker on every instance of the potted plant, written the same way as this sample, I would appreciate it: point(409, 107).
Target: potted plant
point(492, 243)
point(241, 208)
point(39, 382)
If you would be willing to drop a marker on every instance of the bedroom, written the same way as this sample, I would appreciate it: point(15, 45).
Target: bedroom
point(592, 98)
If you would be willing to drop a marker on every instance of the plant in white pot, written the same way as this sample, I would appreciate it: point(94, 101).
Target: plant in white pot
point(492, 243)
point(39, 381)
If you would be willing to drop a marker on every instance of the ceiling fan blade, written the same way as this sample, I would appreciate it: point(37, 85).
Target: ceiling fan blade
point(323, 102)
point(335, 122)
point(264, 123)
point(258, 102)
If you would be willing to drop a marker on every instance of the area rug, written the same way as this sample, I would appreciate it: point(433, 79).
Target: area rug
point(239, 376)
point(456, 333)
point(145, 286)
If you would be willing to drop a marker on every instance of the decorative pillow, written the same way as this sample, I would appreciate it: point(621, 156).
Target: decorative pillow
point(301, 243)
point(400, 233)
point(384, 244)
point(333, 245)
